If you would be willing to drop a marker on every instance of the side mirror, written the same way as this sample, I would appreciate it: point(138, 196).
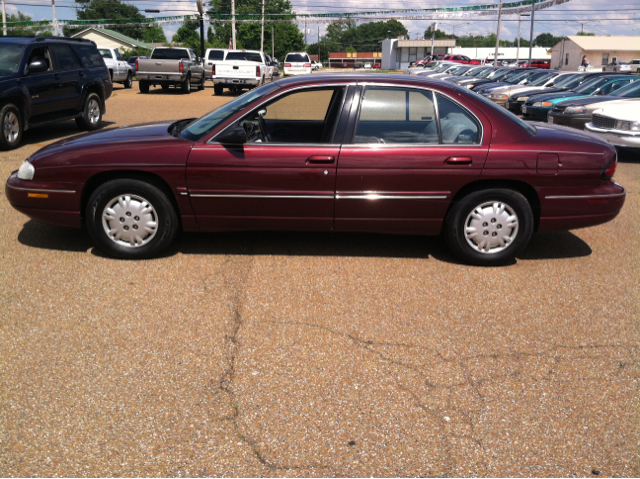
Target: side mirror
point(235, 136)
point(37, 66)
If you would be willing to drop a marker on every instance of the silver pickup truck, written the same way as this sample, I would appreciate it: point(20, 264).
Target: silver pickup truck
point(170, 67)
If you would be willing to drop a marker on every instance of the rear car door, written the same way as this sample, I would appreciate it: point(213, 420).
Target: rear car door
point(67, 72)
point(406, 152)
point(284, 179)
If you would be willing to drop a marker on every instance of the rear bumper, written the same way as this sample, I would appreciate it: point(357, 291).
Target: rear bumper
point(236, 81)
point(162, 77)
point(288, 72)
point(616, 137)
point(572, 208)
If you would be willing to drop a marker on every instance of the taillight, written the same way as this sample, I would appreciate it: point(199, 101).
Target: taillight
point(213, 69)
point(287, 65)
point(258, 72)
point(136, 64)
point(609, 171)
point(307, 65)
point(181, 67)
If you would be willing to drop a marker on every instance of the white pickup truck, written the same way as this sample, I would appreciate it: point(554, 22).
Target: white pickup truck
point(240, 69)
point(119, 69)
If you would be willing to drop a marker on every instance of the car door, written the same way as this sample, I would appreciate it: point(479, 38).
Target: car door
point(407, 151)
point(121, 66)
point(67, 72)
point(285, 180)
point(42, 86)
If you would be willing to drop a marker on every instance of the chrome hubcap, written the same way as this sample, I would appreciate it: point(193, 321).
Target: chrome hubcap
point(491, 227)
point(11, 127)
point(130, 221)
point(93, 112)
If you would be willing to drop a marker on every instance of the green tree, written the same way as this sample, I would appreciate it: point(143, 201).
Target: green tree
point(154, 34)
point(108, 10)
point(22, 17)
point(188, 36)
point(585, 34)
point(546, 40)
point(439, 34)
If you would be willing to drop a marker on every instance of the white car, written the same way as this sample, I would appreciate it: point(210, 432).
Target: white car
point(617, 67)
point(297, 64)
point(315, 66)
point(119, 69)
point(619, 124)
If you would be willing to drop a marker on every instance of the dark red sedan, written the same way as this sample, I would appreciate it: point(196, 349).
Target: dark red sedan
point(377, 153)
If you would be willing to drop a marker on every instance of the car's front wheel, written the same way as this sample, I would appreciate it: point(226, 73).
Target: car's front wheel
point(489, 227)
point(11, 127)
point(218, 89)
point(91, 117)
point(131, 219)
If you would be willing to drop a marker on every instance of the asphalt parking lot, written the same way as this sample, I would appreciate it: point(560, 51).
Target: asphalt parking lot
point(298, 354)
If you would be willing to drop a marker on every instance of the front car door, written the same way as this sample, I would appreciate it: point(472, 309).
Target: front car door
point(283, 177)
point(42, 86)
point(405, 154)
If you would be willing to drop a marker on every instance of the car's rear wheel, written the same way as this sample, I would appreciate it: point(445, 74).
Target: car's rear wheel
point(128, 83)
point(186, 85)
point(201, 85)
point(143, 85)
point(131, 219)
point(489, 227)
point(91, 113)
point(218, 89)
point(11, 127)
point(164, 86)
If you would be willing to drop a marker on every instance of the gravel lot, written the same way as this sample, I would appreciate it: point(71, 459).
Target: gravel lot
point(286, 354)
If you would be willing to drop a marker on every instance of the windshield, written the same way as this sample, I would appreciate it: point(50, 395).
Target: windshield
point(498, 75)
point(10, 56)
point(592, 85)
point(569, 81)
point(540, 79)
point(517, 77)
point(442, 67)
point(432, 64)
point(473, 71)
point(629, 91)
point(169, 54)
point(486, 73)
point(200, 127)
point(244, 56)
point(296, 58)
point(459, 70)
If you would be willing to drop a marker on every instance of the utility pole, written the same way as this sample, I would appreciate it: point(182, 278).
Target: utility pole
point(56, 32)
point(262, 29)
point(233, 24)
point(273, 42)
point(305, 33)
point(520, 15)
point(533, 12)
point(495, 56)
point(319, 44)
point(4, 20)
point(434, 27)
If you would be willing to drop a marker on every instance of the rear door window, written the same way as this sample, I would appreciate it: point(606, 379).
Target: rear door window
point(216, 55)
point(296, 58)
point(64, 58)
point(106, 53)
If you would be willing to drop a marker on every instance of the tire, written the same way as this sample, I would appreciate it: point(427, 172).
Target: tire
point(164, 86)
point(201, 86)
point(186, 85)
point(128, 83)
point(128, 202)
point(143, 85)
point(495, 209)
point(218, 89)
point(11, 124)
point(91, 118)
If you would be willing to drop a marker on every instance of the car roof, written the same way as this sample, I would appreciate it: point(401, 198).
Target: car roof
point(328, 78)
point(26, 40)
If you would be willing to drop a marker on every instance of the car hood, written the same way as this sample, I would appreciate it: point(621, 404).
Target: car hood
point(554, 97)
point(531, 91)
point(628, 110)
point(588, 100)
point(148, 144)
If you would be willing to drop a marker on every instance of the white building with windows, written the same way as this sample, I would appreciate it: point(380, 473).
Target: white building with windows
point(398, 53)
point(600, 51)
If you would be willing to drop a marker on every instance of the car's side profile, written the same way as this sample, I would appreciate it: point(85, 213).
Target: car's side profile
point(390, 154)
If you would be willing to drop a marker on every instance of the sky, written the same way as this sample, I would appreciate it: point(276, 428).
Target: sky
point(615, 17)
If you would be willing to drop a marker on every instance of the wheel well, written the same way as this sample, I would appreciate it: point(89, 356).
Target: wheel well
point(95, 88)
point(100, 178)
point(520, 186)
point(19, 103)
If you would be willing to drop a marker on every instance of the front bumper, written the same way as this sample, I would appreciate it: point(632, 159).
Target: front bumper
point(627, 139)
point(514, 106)
point(535, 113)
point(574, 121)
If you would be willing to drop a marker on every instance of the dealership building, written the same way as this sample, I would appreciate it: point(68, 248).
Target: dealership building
point(600, 51)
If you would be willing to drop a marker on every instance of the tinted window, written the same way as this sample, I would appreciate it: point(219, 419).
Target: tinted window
point(506, 113)
point(592, 85)
point(118, 56)
point(90, 55)
point(216, 55)
point(629, 91)
point(457, 125)
point(40, 54)
point(397, 115)
point(613, 86)
point(64, 58)
point(169, 54)
point(244, 56)
point(106, 53)
point(296, 58)
point(10, 56)
point(540, 79)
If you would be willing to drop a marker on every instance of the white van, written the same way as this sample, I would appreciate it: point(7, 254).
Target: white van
point(297, 64)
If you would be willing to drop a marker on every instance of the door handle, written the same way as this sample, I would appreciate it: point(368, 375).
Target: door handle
point(321, 159)
point(458, 160)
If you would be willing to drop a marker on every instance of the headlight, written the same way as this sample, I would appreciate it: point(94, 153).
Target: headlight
point(625, 125)
point(522, 98)
point(574, 109)
point(26, 171)
point(539, 104)
point(497, 95)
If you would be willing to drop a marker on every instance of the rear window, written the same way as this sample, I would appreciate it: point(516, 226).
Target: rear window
point(244, 56)
point(169, 54)
point(216, 55)
point(297, 58)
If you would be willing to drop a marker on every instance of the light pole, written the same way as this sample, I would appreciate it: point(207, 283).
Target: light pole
point(262, 29)
point(518, 51)
point(453, 27)
point(533, 11)
point(582, 24)
point(495, 56)
point(4, 20)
